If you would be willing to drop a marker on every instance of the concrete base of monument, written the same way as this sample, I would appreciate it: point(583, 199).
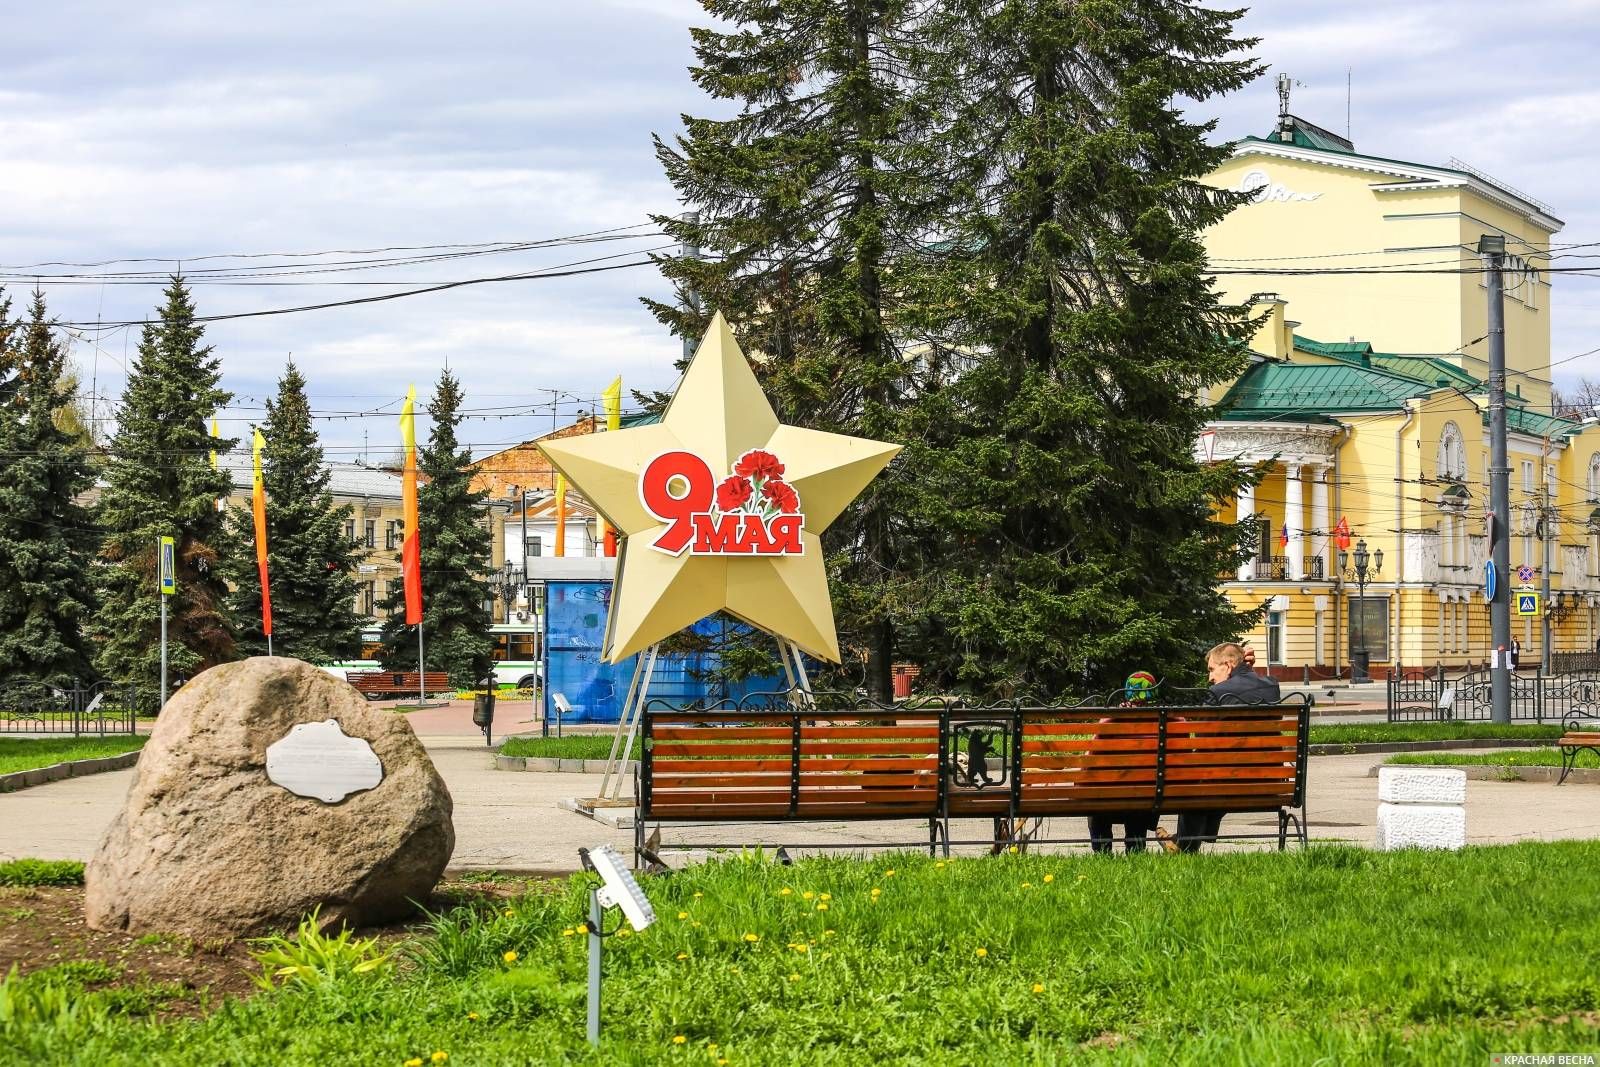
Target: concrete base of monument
point(617, 814)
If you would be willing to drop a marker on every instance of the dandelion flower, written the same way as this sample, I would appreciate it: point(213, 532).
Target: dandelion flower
point(473, 1016)
point(510, 956)
point(939, 866)
point(679, 1039)
point(827, 933)
point(1027, 885)
point(982, 952)
point(415, 1061)
point(567, 932)
point(876, 892)
point(826, 896)
point(807, 895)
point(888, 874)
point(1038, 987)
point(722, 1063)
point(785, 891)
point(1049, 878)
point(1012, 850)
point(822, 906)
point(510, 912)
point(624, 932)
point(695, 923)
point(1082, 877)
point(711, 1046)
point(440, 1056)
point(697, 896)
point(683, 955)
point(582, 928)
point(752, 938)
point(682, 915)
point(801, 948)
point(794, 978)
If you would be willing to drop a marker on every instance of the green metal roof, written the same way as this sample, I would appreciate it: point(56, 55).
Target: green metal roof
point(1311, 392)
point(1430, 370)
point(640, 418)
point(1427, 370)
point(1310, 135)
point(1521, 420)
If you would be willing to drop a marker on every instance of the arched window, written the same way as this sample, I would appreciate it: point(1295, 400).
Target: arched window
point(1451, 463)
point(1594, 478)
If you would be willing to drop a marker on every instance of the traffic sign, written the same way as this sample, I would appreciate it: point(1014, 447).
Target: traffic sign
point(1490, 581)
point(169, 566)
point(1524, 573)
point(1527, 603)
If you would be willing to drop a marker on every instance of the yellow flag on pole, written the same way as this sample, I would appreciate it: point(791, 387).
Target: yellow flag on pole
point(612, 399)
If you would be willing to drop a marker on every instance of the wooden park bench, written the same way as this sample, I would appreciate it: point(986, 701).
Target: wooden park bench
point(376, 685)
point(1009, 763)
point(1577, 738)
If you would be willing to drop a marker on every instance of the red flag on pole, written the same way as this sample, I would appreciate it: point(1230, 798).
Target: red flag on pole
point(411, 548)
point(1341, 533)
point(1283, 537)
point(258, 494)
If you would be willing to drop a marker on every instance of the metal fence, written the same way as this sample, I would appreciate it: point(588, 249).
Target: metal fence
point(28, 707)
point(1535, 697)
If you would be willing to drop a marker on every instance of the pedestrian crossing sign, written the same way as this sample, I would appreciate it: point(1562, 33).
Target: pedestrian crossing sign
point(1527, 603)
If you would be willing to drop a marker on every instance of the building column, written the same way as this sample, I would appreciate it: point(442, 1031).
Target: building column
point(1321, 520)
point(1294, 518)
point(1247, 511)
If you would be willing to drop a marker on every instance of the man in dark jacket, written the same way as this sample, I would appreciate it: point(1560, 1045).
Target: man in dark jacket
point(1232, 682)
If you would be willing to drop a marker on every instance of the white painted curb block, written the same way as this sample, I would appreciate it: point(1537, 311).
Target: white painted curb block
point(1421, 807)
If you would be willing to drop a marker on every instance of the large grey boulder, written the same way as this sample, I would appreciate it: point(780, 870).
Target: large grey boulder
point(207, 845)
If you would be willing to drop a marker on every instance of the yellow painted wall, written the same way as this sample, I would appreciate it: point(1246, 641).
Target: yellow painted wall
point(1350, 225)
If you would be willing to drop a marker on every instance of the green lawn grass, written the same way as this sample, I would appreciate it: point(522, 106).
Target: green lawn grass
point(1514, 757)
point(598, 746)
point(575, 746)
point(1328, 955)
point(26, 753)
point(29, 872)
point(1377, 733)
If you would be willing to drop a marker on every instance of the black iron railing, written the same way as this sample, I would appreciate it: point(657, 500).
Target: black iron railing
point(1437, 695)
point(28, 707)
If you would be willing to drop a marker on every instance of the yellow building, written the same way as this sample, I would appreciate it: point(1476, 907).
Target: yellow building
point(1365, 400)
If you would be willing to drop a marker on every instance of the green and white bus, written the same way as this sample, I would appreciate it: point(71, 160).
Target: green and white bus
point(515, 652)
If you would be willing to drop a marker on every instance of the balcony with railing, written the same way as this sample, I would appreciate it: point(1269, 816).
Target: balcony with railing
point(1272, 568)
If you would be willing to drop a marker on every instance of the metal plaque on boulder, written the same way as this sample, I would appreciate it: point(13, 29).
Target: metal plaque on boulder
point(318, 759)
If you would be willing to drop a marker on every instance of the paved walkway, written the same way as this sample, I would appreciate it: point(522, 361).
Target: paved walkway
point(509, 820)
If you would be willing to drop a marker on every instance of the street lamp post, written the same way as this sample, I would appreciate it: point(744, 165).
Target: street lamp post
point(1368, 565)
point(507, 582)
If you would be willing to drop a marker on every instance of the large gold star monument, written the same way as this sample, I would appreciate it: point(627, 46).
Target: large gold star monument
point(722, 508)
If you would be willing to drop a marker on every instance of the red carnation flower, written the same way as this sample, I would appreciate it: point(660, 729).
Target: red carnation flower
point(782, 495)
point(758, 464)
point(733, 492)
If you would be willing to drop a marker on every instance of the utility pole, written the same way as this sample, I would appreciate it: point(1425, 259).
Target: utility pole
point(1492, 249)
point(1545, 516)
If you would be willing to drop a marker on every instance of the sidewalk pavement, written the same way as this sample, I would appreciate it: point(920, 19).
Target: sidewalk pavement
point(509, 820)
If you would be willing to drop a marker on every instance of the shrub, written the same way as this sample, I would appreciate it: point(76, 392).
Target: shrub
point(31, 872)
point(312, 958)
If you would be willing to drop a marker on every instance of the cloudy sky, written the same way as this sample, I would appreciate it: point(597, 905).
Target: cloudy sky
point(190, 129)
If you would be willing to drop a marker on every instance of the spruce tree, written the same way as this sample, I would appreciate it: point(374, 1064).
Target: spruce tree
point(47, 539)
point(455, 558)
point(811, 204)
point(1070, 536)
point(311, 563)
point(159, 481)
